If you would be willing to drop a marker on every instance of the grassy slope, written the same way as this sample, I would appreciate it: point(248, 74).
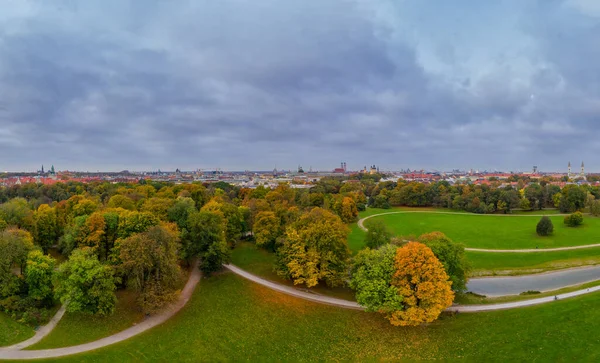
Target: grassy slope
point(260, 262)
point(79, 328)
point(494, 232)
point(12, 332)
point(232, 319)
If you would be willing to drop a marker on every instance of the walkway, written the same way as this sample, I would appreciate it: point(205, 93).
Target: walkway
point(40, 333)
point(10, 353)
point(362, 226)
point(514, 285)
point(353, 305)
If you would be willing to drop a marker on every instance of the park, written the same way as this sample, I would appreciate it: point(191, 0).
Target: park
point(224, 315)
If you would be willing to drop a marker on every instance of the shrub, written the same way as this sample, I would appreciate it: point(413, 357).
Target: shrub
point(574, 220)
point(544, 227)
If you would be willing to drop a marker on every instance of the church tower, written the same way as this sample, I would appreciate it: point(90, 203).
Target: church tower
point(569, 174)
point(582, 170)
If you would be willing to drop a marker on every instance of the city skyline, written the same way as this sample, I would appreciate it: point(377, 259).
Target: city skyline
point(144, 85)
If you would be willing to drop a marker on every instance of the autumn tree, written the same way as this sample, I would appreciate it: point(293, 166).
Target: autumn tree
point(15, 244)
point(372, 273)
point(451, 255)
point(45, 232)
point(422, 282)
point(16, 212)
point(159, 207)
point(315, 249)
point(121, 201)
point(88, 285)
point(349, 212)
point(266, 229)
point(231, 214)
point(149, 260)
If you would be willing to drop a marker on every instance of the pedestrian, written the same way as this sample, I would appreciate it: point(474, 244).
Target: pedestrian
point(555, 297)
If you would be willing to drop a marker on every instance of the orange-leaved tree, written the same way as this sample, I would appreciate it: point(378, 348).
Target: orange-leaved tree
point(422, 281)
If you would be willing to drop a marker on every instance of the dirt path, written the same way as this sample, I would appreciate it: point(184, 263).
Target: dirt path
point(531, 250)
point(149, 323)
point(40, 333)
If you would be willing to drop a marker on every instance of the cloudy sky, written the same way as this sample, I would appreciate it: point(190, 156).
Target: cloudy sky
point(148, 84)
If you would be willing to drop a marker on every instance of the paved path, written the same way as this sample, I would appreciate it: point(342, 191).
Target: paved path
point(40, 333)
point(353, 305)
point(531, 250)
point(119, 337)
point(514, 285)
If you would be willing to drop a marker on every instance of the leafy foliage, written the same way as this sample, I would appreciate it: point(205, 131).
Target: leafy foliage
point(451, 255)
point(574, 219)
point(206, 239)
point(88, 285)
point(544, 227)
point(377, 234)
point(421, 280)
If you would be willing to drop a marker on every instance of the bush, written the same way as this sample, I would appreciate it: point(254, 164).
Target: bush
point(544, 227)
point(574, 220)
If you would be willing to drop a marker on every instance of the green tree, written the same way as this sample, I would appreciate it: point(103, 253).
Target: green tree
point(544, 227)
point(121, 201)
point(149, 260)
point(315, 249)
point(15, 244)
point(181, 210)
point(206, 239)
point(16, 212)
point(574, 219)
point(38, 276)
point(377, 234)
point(267, 229)
point(88, 285)
point(372, 274)
point(451, 255)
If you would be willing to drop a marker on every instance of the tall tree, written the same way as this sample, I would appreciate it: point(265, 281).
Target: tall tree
point(206, 239)
point(88, 285)
point(38, 277)
point(423, 283)
point(315, 249)
point(451, 255)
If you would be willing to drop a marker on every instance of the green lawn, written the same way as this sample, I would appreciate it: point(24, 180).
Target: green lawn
point(260, 262)
point(79, 328)
point(493, 232)
point(231, 319)
point(12, 332)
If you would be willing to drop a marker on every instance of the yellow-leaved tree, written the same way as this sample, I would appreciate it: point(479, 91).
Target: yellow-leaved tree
point(423, 283)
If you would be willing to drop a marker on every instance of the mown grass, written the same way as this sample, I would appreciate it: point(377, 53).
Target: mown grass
point(79, 328)
point(260, 262)
point(12, 332)
point(493, 232)
point(231, 319)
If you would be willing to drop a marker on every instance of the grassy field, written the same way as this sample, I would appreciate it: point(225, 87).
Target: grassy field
point(12, 332)
point(79, 328)
point(493, 232)
point(260, 262)
point(232, 319)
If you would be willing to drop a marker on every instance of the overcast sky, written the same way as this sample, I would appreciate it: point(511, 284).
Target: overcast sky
point(148, 84)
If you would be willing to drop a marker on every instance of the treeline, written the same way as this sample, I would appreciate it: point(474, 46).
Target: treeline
point(135, 236)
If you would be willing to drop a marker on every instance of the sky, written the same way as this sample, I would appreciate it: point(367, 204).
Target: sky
point(262, 84)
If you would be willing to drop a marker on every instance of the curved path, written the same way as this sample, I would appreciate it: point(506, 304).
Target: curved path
point(186, 293)
point(40, 333)
point(354, 305)
point(531, 250)
point(548, 281)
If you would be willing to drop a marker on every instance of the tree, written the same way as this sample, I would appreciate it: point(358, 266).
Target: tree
point(377, 235)
point(206, 239)
point(266, 229)
point(315, 249)
point(88, 285)
point(135, 222)
point(544, 227)
point(181, 210)
point(421, 280)
point(349, 212)
point(232, 216)
point(594, 208)
point(15, 244)
point(16, 212)
point(574, 219)
point(38, 276)
point(451, 255)
point(45, 233)
point(149, 260)
point(121, 201)
point(158, 207)
point(372, 274)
